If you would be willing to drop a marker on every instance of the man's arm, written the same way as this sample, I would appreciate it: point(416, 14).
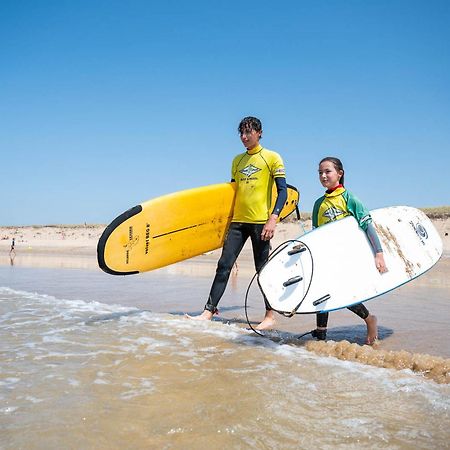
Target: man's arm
point(269, 227)
point(281, 195)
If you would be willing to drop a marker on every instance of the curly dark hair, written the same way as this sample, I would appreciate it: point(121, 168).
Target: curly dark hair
point(248, 124)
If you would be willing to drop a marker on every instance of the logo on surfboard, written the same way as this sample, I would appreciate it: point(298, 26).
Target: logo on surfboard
point(132, 241)
point(420, 231)
point(147, 237)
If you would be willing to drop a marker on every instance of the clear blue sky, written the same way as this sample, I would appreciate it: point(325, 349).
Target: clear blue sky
point(106, 104)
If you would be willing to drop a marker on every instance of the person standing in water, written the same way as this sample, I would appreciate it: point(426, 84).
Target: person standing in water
point(254, 173)
point(335, 204)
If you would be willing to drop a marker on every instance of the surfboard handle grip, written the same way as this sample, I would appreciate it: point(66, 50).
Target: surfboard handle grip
point(296, 249)
point(321, 300)
point(292, 280)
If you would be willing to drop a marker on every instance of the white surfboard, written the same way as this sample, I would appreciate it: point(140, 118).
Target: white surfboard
point(332, 267)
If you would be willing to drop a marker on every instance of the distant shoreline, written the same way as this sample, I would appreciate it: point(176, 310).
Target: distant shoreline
point(436, 212)
point(81, 239)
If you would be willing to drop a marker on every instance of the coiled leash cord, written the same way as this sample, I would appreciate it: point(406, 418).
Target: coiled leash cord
point(281, 247)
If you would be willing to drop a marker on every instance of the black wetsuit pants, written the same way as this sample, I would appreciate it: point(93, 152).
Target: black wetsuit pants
point(359, 309)
point(237, 235)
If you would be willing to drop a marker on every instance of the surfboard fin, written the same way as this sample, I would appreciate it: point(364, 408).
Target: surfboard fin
point(321, 300)
point(292, 280)
point(296, 249)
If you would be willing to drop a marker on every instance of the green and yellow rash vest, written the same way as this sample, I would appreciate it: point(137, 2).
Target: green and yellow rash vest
point(254, 172)
point(338, 204)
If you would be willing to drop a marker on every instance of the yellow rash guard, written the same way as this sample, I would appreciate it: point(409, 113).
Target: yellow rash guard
point(254, 172)
point(339, 204)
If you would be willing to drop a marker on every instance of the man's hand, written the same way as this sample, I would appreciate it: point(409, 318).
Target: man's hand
point(269, 228)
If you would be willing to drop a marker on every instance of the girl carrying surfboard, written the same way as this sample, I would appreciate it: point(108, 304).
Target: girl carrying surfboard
point(335, 204)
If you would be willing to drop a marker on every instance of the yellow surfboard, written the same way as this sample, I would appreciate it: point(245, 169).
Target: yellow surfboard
point(172, 228)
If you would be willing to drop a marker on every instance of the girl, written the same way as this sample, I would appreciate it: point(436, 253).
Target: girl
point(336, 204)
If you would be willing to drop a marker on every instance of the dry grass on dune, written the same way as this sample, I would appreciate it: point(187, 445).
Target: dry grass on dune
point(437, 212)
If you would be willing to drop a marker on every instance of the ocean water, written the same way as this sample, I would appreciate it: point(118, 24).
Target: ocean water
point(93, 361)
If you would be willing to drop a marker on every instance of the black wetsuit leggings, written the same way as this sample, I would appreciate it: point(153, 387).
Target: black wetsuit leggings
point(359, 309)
point(238, 233)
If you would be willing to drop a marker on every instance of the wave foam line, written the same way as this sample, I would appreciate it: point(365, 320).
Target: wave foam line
point(433, 367)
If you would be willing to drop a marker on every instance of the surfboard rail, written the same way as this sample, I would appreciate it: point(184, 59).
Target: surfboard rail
point(107, 233)
point(172, 228)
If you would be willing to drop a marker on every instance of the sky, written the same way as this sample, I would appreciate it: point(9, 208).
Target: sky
point(106, 104)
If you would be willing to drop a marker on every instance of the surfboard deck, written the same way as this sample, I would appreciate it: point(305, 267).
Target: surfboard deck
point(332, 267)
point(172, 228)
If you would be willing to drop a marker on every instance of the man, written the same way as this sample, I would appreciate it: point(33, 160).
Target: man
point(254, 172)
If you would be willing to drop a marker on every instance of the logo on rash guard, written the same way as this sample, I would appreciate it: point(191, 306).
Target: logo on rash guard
point(249, 170)
point(333, 213)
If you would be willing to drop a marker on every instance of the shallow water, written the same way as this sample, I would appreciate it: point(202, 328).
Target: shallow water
point(94, 361)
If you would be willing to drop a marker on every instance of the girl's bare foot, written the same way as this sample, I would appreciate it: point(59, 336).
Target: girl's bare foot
point(372, 329)
point(205, 315)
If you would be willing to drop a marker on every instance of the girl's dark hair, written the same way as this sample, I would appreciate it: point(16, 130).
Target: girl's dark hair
point(249, 124)
point(337, 163)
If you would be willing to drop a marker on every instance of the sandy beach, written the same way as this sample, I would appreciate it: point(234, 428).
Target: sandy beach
point(400, 312)
point(111, 362)
point(71, 241)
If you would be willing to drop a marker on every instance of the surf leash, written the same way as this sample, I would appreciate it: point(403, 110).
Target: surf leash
point(305, 334)
point(281, 247)
point(245, 306)
point(274, 253)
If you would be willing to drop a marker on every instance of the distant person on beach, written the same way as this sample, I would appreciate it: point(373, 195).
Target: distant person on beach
point(336, 204)
point(13, 246)
point(12, 251)
point(254, 172)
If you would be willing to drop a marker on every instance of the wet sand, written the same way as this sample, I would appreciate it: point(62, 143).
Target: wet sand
point(413, 318)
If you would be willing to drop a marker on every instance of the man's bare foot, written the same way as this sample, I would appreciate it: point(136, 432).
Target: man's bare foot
point(268, 323)
point(205, 315)
point(372, 329)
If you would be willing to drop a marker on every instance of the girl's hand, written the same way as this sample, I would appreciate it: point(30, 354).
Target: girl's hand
point(379, 263)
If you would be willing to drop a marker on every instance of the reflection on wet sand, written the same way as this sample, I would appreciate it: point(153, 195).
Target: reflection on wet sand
point(201, 266)
point(50, 260)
